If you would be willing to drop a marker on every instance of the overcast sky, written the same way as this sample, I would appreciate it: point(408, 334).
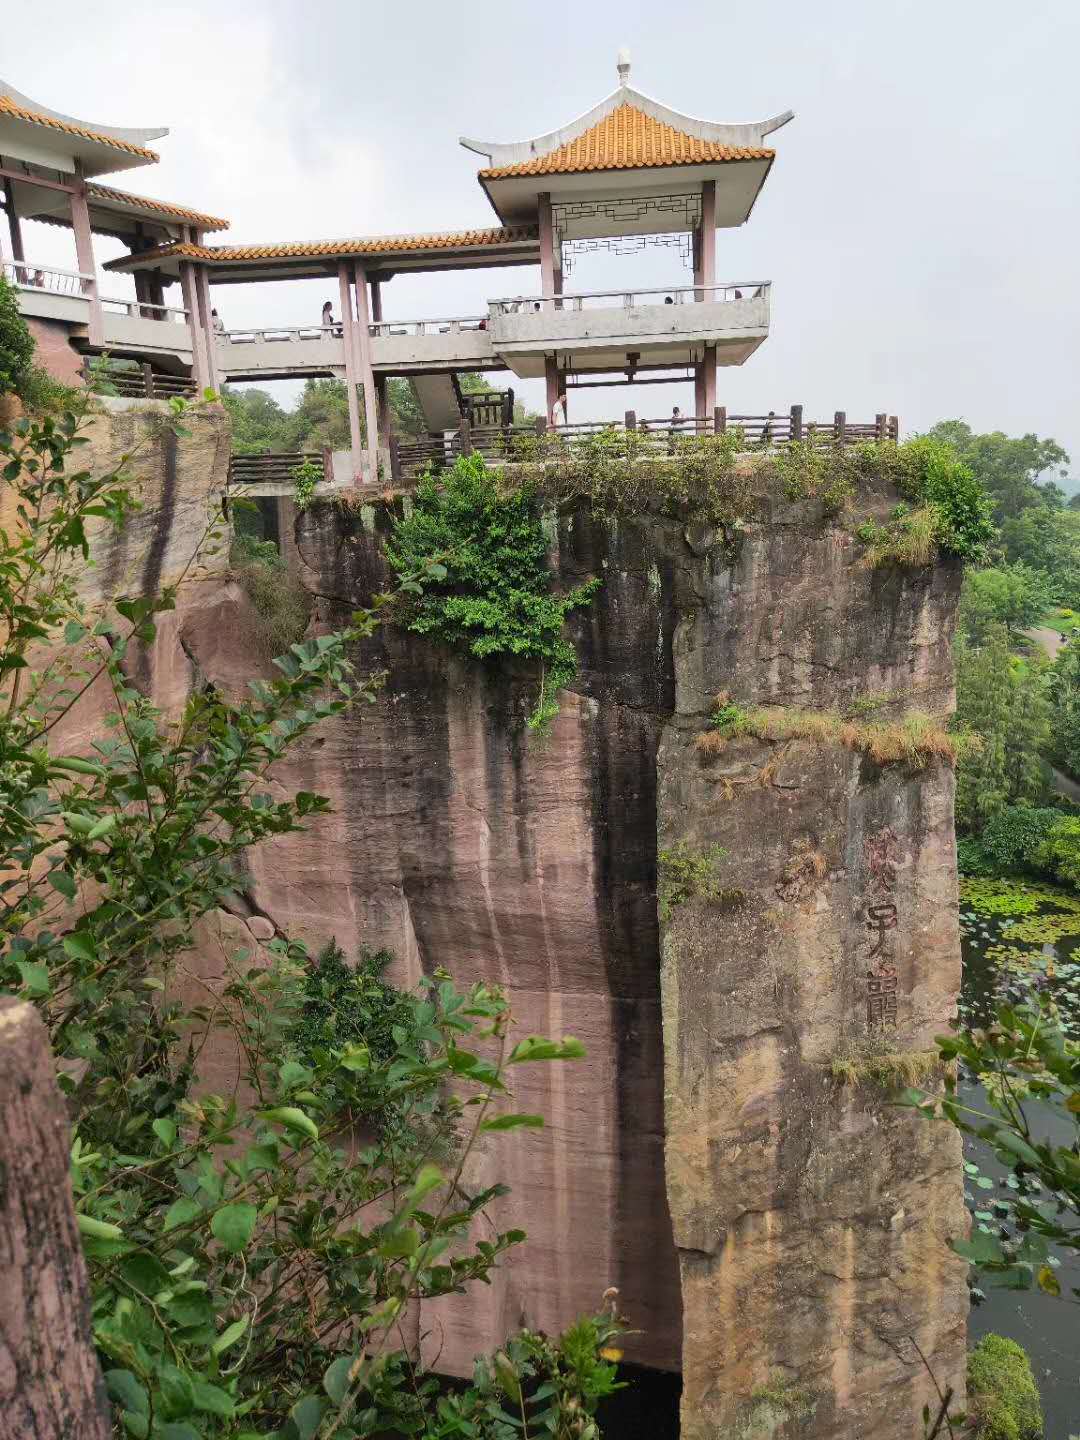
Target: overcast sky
point(920, 224)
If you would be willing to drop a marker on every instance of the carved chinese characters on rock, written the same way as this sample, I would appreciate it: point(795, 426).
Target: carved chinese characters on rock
point(881, 920)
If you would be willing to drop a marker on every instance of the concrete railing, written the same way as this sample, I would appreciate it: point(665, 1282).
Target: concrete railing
point(30, 275)
point(384, 329)
point(272, 334)
point(142, 310)
point(631, 299)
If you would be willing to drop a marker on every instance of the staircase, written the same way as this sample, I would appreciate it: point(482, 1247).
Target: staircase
point(437, 397)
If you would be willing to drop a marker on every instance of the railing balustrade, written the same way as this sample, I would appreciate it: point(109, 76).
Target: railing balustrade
point(137, 310)
point(285, 333)
point(32, 275)
point(459, 324)
point(631, 299)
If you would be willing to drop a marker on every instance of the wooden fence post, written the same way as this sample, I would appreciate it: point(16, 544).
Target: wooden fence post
point(894, 427)
point(630, 420)
point(540, 424)
point(148, 379)
point(881, 427)
point(395, 459)
point(720, 419)
point(796, 422)
point(327, 463)
point(840, 427)
point(51, 1380)
point(465, 435)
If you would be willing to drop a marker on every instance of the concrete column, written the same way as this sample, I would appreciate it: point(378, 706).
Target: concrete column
point(376, 301)
point(84, 249)
point(352, 371)
point(551, 386)
point(547, 251)
point(699, 389)
point(367, 373)
point(199, 369)
point(709, 376)
point(202, 293)
point(382, 407)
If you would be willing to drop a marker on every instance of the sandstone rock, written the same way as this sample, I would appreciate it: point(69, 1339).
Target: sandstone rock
point(796, 1227)
point(260, 927)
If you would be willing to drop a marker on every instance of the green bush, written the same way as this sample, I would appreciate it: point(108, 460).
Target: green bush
point(16, 342)
point(1059, 853)
point(686, 874)
point(1002, 1394)
point(1014, 838)
point(348, 1005)
point(490, 594)
point(951, 508)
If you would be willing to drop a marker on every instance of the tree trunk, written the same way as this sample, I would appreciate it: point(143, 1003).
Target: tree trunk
point(50, 1383)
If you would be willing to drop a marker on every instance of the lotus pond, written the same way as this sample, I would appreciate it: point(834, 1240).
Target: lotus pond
point(1022, 938)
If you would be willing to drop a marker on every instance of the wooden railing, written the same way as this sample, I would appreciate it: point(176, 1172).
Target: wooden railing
point(501, 444)
point(136, 382)
point(275, 468)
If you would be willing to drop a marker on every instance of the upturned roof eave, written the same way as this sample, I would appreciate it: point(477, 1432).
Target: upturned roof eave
point(519, 152)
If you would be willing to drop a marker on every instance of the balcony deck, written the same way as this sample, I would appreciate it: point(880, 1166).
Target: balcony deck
point(597, 330)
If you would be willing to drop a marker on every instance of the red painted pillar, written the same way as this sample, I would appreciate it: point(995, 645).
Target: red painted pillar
point(84, 249)
point(200, 372)
point(14, 227)
point(202, 294)
point(547, 251)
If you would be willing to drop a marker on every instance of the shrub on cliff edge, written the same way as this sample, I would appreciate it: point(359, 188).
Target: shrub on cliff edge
point(16, 342)
point(490, 590)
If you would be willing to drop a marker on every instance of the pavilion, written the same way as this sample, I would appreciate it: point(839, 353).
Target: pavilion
point(630, 172)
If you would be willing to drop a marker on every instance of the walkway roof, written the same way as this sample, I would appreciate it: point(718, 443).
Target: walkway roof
point(447, 250)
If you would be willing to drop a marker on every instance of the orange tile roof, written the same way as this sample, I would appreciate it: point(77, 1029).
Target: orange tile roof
point(158, 207)
point(371, 245)
point(627, 139)
point(9, 107)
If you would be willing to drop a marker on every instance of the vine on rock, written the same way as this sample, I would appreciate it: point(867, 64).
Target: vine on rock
point(489, 588)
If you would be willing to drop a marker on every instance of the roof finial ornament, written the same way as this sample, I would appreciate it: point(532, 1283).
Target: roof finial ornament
point(622, 64)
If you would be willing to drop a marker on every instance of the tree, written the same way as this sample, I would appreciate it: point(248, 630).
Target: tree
point(1015, 596)
point(16, 343)
point(249, 1262)
point(1010, 467)
point(1064, 683)
point(1029, 1070)
point(1009, 712)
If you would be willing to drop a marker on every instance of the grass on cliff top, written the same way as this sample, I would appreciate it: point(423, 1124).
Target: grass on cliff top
point(913, 740)
point(1003, 1399)
point(872, 1063)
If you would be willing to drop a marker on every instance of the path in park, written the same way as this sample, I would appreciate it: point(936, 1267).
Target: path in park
point(1050, 640)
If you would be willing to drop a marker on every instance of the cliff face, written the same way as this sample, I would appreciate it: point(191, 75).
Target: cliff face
point(768, 1228)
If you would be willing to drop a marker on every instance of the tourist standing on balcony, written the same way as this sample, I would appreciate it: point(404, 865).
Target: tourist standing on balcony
point(327, 321)
point(216, 323)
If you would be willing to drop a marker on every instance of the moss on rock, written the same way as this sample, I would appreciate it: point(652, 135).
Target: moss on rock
point(1002, 1394)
